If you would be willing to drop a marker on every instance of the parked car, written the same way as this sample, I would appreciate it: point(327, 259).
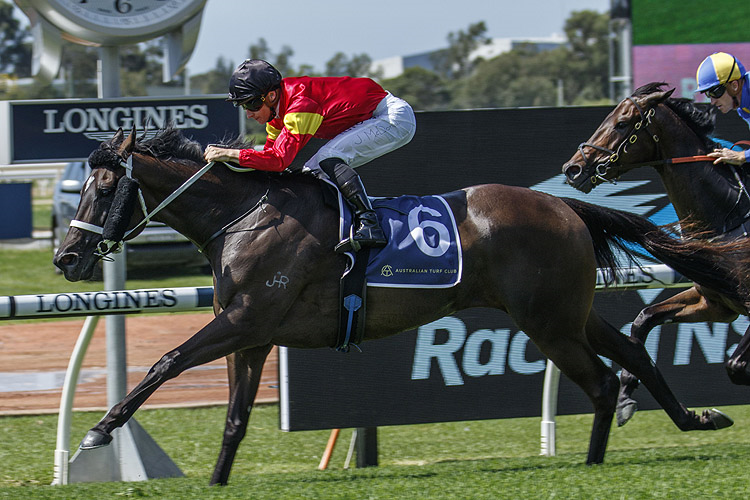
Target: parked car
point(157, 245)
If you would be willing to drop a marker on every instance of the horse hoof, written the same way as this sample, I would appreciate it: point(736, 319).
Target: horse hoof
point(95, 439)
point(625, 412)
point(719, 419)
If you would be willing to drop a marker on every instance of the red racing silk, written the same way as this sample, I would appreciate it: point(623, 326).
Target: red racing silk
point(321, 107)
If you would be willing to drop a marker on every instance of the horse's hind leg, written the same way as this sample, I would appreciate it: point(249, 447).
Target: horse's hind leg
point(581, 365)
point(632, 355)
point(689, 306)
point(217, 339)
point(244, 369)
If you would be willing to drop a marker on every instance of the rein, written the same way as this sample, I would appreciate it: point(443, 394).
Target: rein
point(259, 204)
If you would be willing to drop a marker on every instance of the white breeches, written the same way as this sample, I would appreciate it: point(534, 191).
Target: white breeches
point(392, 125)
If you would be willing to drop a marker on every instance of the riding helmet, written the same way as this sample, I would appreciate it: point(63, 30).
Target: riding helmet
point(719, 68)
point(252, 79)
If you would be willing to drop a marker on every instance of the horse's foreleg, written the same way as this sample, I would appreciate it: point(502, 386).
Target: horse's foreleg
point(688, 306)
point(244, 370)
point(216, 340)
point(737, 365)
point(632, 355)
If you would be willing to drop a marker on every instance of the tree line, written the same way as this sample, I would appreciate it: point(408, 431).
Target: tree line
point(575, 73)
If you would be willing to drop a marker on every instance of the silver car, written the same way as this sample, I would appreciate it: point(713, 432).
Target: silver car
point(157, 245)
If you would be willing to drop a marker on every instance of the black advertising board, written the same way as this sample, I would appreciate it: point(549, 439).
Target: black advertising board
point(476, 364)
point(69, 129)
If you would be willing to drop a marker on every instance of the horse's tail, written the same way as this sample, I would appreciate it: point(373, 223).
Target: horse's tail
point(710, 264)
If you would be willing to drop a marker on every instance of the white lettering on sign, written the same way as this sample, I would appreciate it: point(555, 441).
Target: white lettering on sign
point(712, 343)
point(502, 348)
point(77, 120)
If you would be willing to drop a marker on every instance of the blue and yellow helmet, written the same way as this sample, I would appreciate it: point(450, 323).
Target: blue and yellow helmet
point(719, 68)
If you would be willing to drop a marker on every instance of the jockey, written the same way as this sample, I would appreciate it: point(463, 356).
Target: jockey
point(722, 78)
point(362, 121)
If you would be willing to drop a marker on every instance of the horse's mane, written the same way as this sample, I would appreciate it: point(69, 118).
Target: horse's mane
point(169, 142)
point(700, 117)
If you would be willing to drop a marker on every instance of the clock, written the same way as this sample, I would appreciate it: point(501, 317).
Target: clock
point(114, 22)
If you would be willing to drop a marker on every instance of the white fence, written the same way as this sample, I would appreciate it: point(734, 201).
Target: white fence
point(30, 171)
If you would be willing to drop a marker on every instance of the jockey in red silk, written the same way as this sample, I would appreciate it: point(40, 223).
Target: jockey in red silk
point(362, 120)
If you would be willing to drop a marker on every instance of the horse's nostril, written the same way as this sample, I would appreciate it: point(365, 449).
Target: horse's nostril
point(66, 259)
point(572, 171)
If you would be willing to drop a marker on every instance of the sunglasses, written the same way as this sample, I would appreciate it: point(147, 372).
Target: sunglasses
point(252, 104)
point(716, 92)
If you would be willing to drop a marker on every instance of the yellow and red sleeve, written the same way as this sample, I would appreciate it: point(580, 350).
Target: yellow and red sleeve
point(283, 145)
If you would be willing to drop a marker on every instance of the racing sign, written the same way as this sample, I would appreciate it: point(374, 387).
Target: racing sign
point(70, 129)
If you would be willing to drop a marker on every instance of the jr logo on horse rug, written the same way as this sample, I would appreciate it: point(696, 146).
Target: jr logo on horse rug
point(423, 251)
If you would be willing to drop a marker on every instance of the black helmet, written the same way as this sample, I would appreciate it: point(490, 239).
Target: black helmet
point(252, 80)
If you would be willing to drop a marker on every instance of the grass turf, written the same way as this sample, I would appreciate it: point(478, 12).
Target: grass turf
point(648, 458)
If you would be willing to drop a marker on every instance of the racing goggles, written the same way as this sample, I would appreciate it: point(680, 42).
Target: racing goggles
point(251, 104)
point(716, 92)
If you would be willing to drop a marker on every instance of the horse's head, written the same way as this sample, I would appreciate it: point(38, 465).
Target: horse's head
point(105, 212)
point(624, 140)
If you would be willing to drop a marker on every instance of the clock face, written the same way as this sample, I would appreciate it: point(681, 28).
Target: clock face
point(117, 21)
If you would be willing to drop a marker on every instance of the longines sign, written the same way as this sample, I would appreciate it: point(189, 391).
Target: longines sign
point(69, 129)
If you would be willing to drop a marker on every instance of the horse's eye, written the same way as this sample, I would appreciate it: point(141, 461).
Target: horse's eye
point(106, 191)
point(622, 126)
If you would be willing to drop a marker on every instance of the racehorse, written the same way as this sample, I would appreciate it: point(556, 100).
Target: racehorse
point(650, 128)
point(529, 254)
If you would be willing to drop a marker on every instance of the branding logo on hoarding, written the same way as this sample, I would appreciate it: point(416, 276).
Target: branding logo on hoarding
point(104, 301)
point(505, 350)
point(100, 123)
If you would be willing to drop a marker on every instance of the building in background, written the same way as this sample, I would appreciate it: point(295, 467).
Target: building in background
point(394, 66)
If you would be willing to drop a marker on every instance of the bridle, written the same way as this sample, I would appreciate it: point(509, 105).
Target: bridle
point(602, 170)
point(106, 246)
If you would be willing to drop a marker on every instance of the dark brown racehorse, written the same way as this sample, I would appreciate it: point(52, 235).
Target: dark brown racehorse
point(529, 254)
point(650, 128)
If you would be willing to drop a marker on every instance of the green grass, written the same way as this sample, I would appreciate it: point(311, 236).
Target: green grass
point(41, 215)
point(25, 272)
point(648, 458)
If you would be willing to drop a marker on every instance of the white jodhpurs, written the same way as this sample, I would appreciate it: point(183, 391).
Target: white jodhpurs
point(392, 125)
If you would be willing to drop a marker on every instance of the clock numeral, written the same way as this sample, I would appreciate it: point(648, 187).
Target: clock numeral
point(123, 6)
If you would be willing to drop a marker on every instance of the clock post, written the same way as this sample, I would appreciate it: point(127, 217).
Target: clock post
point(133, 455)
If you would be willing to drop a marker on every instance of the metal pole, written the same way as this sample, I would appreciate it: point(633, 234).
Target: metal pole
point(549, 408)
point(367, 447)
point(115, 270)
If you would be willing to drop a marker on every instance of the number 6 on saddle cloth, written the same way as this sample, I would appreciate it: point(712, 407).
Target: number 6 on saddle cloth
point(423, 251)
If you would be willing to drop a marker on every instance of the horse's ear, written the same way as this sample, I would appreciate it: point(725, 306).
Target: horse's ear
point(657, 97)
point(127, 146)
point(118, 137)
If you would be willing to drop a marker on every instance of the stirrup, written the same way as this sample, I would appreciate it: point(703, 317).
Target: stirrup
point(348, 244)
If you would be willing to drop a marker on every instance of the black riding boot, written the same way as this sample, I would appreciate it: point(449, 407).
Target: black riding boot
point(368, 232)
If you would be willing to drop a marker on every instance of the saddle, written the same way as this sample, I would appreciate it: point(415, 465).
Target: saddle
point(423, 251)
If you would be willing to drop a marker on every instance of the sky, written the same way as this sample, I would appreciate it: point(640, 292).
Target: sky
point(317, 30)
